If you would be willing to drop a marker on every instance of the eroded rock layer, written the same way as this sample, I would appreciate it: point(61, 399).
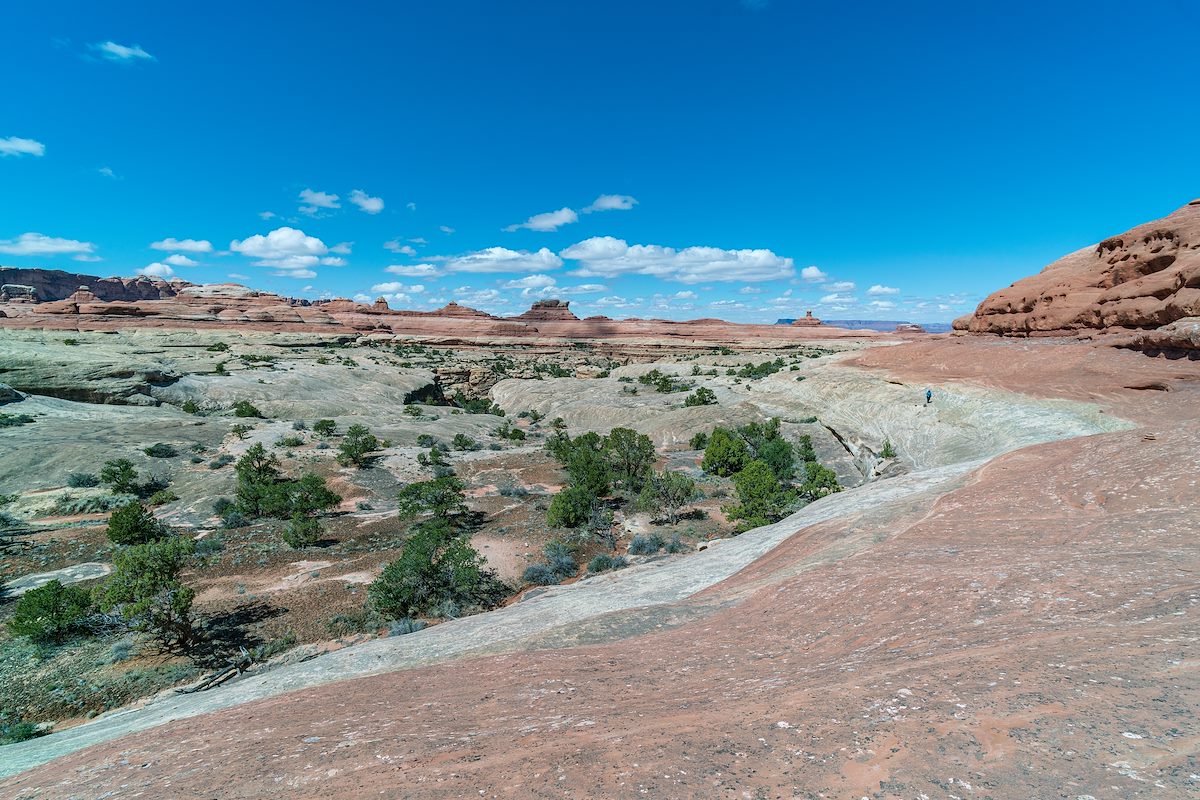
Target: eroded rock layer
point(1142, 279)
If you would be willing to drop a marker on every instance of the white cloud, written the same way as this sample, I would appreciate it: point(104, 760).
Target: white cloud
point(404, 249)
point(342, 248)
point(371, 205)
point(294, 273)
point(684, 296)
point(611, 202)
point(391, 287)
point(446, 229)
point(501, 259)
point(419, 240)
point(314, 201)
point(549, 221)
point(606, 256)
point(183, 245)
point(267, 214)
point(414, 270)
point(179, 260)
point(840, 286)
point(837, 299)
point(38, 244)
point(615, 301)
point(530, 282)
point(411, 206)
point(86, 257)
point(877, 290)
point(107, 172)
point(333, 261)
point(478, 297)
point(124, 54)
point(237, 276)
point(812, 274)
point(882, 305)
point(16, 146)
point(750, 290)
point(280, 243)
point(156, 270)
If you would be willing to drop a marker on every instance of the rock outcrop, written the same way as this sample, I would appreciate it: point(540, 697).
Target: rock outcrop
point(1145, 278)
point(53, 284)
point(808, 320)
point(550, 311)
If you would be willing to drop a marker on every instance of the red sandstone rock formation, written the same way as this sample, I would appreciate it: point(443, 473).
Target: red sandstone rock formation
point(1144, 278)
point(53, 284)
point(550, 311)
point(808, 320)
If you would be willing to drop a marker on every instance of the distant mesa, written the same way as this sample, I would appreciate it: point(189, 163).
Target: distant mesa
point(807, 321)
point(1145, 278)
point(550, 311)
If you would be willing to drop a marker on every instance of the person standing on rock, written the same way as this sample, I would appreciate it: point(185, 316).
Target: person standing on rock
point(928, 396)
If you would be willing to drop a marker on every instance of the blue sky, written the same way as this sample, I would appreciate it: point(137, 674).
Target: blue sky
point(748, 160)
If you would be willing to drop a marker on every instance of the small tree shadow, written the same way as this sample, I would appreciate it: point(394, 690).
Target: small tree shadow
point(225, 634)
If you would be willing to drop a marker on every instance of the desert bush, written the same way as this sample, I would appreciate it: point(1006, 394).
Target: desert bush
point(630, 455)
point(436, 570)
point(218, 347)
point(210, 545)
point(645, 544)
point(676, 545)
point(68, 506)
point(18, 731)
point(82, 480)
point(234, 519)
point(244, 408)
point(357, 447)
point(132, 524)
point(289, 441)
point(699, 441)
point(570, 508)
point(426, 440)
point(725, 454)
point(669, 492)
point(120, 476)
point(162, 497)
point(13, 420)
point(762, 498)
point(541, 575)
point(324, 427)
point(299, 425)
point(145, 591)
point(161, 450)
point(222, 460)
point(49, 613)
point(301, 531)
point(888, 450)
point(701, 397)
point(405, 626)
point(442, 497)
point(463, 442)
point(605, 563)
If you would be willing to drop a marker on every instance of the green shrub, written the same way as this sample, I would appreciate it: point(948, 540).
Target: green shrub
point(605, 562)
point(725, 454)
point(14, 732)
point(218, 347)
point(13, 420)
point(244, 408)
point(162, 497)
point(463, 442)
point(161, 450)
point(438, 572)
point(49, 613)
point(541, 575)
point(645, 544)
point(668, 492)
point(302, 531)
point(357, 447)
point(120, 476)
point(324, 427)
point(82, 480)
point(289, 441)
point(132, 524)
point(699, 441)
point(222, 460)
point(762, 499)
point(190, 407)
point(405, 626)
point(571, 507)
point(442, 497)
point(145, 591)
point(701, 397)
point(888, 450)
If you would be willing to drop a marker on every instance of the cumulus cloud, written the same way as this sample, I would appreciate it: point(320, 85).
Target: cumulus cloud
point(547, 286)
point(371, 205)
point(837, 299)
point(342, 248)
point(606, 256)
point(313, 201)
point(877, 290)
point(840, 286)
point(16, 146)
point(530, 282)
point(611, 202)
point(478, 297)
point(812, 274)
point(414, 270)
point(418, 240)
point(684, 296)
point(294, 273)
point(39, 244)
point(333, 261)
point(501, 259)
point(446, 229)
point(156, 270)
point(392, 287)
point(108, 172)
point(882, 305)
point(266, 215)
point(549, 221)
point(280, 243)
point(179, 260)
point(121, 53)
point(183, 245)
point(403, 249)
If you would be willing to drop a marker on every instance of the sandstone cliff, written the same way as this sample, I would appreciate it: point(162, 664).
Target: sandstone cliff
point(1144, 278)
point(54, 284)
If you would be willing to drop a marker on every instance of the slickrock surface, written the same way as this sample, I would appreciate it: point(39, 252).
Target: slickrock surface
point(1014, 628)
point(1147, 277)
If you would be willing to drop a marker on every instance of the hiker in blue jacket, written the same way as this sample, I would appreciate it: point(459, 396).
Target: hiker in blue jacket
point(928, 396)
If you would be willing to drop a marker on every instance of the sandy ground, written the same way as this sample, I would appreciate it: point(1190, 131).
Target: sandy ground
point(1026, 629)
